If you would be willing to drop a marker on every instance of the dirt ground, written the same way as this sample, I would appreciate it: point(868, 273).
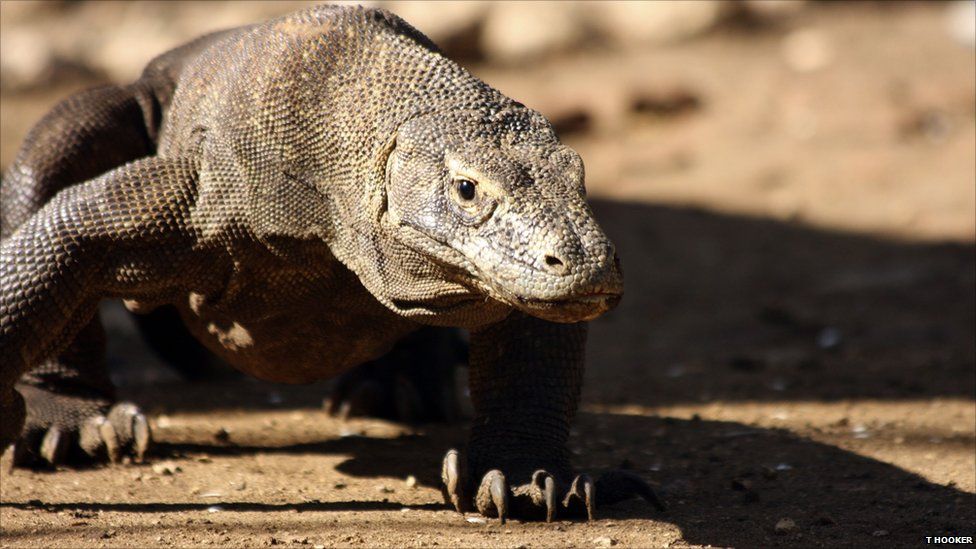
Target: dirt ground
point(793, 363)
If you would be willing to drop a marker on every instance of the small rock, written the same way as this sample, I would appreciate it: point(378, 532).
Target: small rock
point(829, 338)
point(742, 484)
point(476, 520)
point(785, 526)
point(807, 50)
point(630, 23)
point(604, 541)
point(339, 485)
point(411, 481)
point(166, 468)
point(514, 33)
point(222, 435)
point(826, 520)
point(214, 509)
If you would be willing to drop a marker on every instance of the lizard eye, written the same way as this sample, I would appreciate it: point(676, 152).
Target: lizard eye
point(466, 189)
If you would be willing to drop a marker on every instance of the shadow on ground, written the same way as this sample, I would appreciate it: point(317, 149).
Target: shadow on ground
point(725, 483)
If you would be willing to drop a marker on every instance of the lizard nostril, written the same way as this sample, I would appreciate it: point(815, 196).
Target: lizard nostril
point(555, 265)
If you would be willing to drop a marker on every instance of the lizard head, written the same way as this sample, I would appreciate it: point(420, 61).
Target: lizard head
point(496, 197)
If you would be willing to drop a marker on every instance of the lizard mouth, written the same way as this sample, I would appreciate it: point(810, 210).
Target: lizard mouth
point(484, 288)
point(571, 309)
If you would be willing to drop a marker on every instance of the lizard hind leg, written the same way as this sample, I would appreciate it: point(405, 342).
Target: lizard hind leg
point(413, 383)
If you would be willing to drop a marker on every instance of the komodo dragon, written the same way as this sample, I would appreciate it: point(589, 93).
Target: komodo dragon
point(307, 192)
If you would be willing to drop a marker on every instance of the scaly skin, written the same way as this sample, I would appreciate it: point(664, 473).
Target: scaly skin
point(307, 192)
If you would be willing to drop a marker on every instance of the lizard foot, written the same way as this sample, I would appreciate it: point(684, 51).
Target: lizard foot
point(413, 383)
point(544, 496)
point(75, 429)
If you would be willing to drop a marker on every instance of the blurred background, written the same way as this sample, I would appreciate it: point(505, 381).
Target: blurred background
point(855, 116)
point(792, 187)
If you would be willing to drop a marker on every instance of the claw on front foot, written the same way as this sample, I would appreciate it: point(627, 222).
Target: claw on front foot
point(492, 498)
point(122, 430)
point(453, 481)
point(581, 496)
point(544, 495)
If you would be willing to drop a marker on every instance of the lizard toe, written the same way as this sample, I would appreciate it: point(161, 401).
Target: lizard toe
point(545, 496)
point(78, 429)
point(492, 499)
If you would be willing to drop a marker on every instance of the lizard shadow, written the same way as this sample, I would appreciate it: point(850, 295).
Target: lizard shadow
point(722, 307)
point(725, 483)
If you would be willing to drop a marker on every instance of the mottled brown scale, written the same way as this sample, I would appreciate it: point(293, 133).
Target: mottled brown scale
point(288, 188)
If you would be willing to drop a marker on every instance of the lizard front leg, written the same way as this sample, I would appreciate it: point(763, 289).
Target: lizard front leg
point(124, 234)
point(526, 376)
point(84, 136)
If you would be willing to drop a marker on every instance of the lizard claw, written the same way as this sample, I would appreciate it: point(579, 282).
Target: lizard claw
point(549, 492)
point(544, 495)
point(492, 496)
point(54, 446)
point(142, 436)
point(454, 481)
point(581, 495)
point(110, 437)
point(64, 431)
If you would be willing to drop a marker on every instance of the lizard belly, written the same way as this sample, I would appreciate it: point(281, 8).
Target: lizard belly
point(291, 326)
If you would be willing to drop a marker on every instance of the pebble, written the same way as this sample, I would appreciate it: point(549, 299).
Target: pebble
point(476, 520)
point(222, 435)
point(411, 481)
point(785, 525)
point(166, 468)
point(604, 541)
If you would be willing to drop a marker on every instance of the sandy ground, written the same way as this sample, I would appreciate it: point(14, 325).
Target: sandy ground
point(795, 346)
